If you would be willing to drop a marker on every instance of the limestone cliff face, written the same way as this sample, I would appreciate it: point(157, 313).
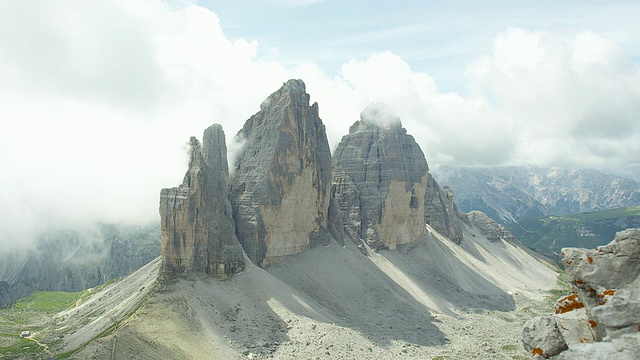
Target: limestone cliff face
point(382, 183)
point(280, 188)
point(380, 180)
point(442, 212)
point(198, 231)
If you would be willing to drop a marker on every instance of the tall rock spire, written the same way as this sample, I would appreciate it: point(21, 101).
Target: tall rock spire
point(198, 231)
point(280, 188)
point(382, 184)
point(380, 179)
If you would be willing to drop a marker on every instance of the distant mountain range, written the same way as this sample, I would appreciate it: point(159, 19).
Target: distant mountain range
point(548, 208)
point(586, 230)
point(513, 193)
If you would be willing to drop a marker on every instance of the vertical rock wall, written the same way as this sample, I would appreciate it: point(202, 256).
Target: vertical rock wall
point(280, 189)
point(198, 231)
point(441, 211)
point(380, 180)
point(382, 183)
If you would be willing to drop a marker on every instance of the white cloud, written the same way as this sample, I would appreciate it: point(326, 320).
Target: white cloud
point(96, 109)
point(447, 126)
point(574, 98)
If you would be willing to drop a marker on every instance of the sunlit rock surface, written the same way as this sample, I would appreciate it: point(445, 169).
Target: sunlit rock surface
point(280, 188)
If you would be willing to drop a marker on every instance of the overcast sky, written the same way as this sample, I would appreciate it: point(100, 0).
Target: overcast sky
point(98, 98)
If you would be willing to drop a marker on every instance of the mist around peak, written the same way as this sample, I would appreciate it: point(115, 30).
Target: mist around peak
point(379, 114)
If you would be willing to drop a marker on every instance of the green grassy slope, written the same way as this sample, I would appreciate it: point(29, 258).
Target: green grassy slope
point(587, 230)
point(34, 313)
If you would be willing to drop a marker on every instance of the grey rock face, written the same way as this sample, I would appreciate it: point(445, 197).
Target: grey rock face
point(605, 299)
point(280, 188)
point(198, 231)
point(541, 336)
point(382, 183)
point(441, 211)
point(490, 228)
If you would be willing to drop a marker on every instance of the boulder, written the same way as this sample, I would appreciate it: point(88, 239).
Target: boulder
point(198, 231)
point(541, 336)
point(603, 312)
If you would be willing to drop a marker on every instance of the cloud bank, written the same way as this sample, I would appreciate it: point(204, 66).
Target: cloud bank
point(98, 100)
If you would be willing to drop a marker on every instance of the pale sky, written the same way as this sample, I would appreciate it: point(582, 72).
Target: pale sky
point(98, 98)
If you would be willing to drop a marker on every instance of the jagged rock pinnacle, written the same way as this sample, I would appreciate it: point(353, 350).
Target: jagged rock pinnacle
point(198, 231)
point(280, 189)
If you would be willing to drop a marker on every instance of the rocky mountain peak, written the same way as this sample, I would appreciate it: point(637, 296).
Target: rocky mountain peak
point(214, 149)
point(293, 92)
point(198, 231)
point(280, 189)
point(382, 184)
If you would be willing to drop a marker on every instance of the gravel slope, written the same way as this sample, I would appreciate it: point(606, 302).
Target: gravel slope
point(436, 299)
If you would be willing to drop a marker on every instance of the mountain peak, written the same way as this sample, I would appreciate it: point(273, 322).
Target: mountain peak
point(198, 231)
point(292, 91)
point(280, 189)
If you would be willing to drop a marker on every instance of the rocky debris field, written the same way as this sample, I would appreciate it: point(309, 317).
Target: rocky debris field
point(386, 305)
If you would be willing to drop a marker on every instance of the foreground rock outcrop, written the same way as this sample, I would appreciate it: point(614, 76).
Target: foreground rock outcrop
point(382, 184)
point(280, 188)
point(198, 231)
point(601, 318)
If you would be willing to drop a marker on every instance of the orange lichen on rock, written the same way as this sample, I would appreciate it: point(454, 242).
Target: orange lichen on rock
point(568, 303)
point(537, 351)
point(590, 259)
point(569, 262)
point(603, 297)
point(593, 323)
point(580, 281)
point(584, 340)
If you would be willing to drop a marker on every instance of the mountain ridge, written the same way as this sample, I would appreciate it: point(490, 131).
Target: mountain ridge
point(509, 194)
point(416, 271)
